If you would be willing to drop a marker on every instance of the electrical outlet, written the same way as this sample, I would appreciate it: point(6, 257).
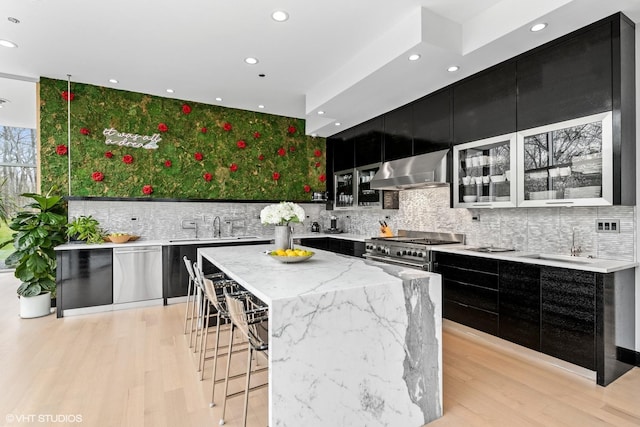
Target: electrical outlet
point(607, 225)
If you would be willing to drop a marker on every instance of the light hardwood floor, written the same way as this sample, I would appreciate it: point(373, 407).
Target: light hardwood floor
point(133, 368)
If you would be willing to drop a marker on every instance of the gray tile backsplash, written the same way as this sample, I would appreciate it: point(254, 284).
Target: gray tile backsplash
point(547, 230)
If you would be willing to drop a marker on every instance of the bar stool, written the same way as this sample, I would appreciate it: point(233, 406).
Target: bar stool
point(192, 296)
point(250, 318)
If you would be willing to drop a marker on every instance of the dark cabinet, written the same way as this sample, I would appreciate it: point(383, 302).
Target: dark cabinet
point(343, 154)
point(568, 327)
point(84, 278)
point(566, 80)
point(484, 104)
point(469, 290)
point(368, 142)
point(340, 246)
point(432, 122)
point(175, 279)
point(519, 306)
point(398, 133)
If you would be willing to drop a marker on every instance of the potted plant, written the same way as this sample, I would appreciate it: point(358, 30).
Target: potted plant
point(85, 228)
point(37, 230)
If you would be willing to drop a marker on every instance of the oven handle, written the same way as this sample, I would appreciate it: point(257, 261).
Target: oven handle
point(397, 261)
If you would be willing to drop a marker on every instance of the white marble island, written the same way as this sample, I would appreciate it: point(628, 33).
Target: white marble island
point(352, 342)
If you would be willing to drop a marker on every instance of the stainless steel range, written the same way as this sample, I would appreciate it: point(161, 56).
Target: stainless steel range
point(410, 248)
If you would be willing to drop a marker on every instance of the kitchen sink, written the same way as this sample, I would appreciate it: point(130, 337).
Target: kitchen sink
point(560, 258)
point(211, 239)
point(490, 249)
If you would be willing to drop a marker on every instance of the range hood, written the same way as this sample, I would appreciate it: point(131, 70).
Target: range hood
point(424, 170)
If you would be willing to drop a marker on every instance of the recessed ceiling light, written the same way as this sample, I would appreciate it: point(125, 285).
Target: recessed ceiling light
point(7, 43)
point(538, 27)
point(251, 61)
point(280, 15)
point(337, 123)
point(261, 106)
point(321, 112)
point(14, 20)
point(170, 91)
point(218, 99)
point(262, 75)
point(113, 81)
point(453, 68)
point(414, 57)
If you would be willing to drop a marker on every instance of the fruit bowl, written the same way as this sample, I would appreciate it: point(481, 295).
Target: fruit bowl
point(292, 258)
point(120, 238)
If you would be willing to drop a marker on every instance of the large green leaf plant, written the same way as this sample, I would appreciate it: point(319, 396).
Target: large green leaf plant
point(37, 230)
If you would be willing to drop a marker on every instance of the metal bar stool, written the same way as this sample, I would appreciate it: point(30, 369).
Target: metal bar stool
point(251, 319)
point(192, 296)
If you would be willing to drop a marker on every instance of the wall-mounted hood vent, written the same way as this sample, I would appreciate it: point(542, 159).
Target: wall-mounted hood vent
point(425, 170)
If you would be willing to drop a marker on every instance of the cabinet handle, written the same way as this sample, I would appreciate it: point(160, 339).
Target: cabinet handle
point(561, 202)
point(482, 204)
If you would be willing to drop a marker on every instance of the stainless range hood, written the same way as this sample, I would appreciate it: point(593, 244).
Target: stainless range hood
point(424, 170)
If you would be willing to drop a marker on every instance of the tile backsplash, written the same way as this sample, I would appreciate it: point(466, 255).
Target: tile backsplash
point(547, 230)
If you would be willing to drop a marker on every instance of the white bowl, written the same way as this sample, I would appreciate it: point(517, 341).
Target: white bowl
point(469, 199)
point(497, 178)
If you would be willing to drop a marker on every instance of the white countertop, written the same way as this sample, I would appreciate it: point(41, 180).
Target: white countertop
point(596, 265)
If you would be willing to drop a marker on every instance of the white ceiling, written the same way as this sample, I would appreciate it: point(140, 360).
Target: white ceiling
point(347, 58)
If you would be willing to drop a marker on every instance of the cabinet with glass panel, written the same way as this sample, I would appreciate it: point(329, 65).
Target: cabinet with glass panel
point(483, 173)
point(567, 163)
point(353, 188)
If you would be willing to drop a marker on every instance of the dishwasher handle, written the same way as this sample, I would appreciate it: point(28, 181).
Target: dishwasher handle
point(135, 251)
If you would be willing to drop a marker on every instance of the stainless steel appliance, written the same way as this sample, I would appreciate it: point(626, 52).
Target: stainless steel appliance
point(409, 248)
point(137, 273)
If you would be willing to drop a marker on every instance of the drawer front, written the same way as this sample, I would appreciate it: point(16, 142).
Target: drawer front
point(474, 296)
point(467, 262)
point(477, 278)
point(474, 318)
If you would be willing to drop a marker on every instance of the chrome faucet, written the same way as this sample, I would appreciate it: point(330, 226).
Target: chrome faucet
point(216, 234)
point(575, 250)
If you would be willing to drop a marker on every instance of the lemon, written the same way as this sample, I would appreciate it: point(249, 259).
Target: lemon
point(279, 252)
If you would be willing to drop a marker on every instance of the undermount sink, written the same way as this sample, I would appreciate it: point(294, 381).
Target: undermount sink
point(560, 258)
point(490, 249)
point(211, 239)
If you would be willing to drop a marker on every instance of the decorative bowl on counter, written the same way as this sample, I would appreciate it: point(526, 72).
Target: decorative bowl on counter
point(297, 255)
point(120, 238)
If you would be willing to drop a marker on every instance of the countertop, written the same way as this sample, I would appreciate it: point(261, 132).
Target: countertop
point(596, 265)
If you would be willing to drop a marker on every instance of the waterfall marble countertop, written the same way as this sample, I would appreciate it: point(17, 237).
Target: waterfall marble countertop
point(352, 342)
point(596, 265)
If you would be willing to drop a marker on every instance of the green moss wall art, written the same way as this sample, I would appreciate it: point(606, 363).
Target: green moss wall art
point(203, 151)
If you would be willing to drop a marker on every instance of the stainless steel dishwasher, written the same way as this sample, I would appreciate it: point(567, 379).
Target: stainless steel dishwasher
point(137, 273)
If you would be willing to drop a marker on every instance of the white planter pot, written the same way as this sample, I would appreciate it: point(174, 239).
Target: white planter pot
point(37, 306)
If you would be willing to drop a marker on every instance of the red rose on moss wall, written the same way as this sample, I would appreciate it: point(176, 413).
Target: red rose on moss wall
point(97, 176)
point(61, 150)
point(317, 153)
point(261, 157)
point(318, 164)
point(227, 126)
point(68, 96)
point(84, 131)
point(147, 189)
point(292, 148)
point(108, 154)
point(233, 167)
point(307, 188)
point(203, 130)
point(322, 178)
point(186, 109)
point(163, 127)
point(127, 158)
point(275, 176)
point(256, 135)
point(207, 177)
point(167, 163)
point(291, 130)
point(282, 152)
point(241, 144)
point(198, 156)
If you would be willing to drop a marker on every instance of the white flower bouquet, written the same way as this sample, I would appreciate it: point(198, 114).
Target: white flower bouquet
point(282, 214)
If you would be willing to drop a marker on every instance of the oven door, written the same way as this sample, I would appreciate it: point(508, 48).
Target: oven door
point(398, 261)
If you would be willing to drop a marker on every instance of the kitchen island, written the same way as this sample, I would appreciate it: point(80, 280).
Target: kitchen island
point(352, 342)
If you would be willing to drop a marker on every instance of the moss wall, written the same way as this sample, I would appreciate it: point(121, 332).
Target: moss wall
point(206, 152)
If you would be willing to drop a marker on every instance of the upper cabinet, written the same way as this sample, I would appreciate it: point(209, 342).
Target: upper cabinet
point(484, 105)
point(398, 133)
point(432, 122)
point(567, 164)
point(566, 80)
point(368, 142)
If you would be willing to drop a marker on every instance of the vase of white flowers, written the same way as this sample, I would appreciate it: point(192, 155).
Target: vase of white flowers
point(281, 215)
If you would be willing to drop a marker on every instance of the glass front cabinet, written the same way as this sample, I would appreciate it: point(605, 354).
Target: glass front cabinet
point(484, 173)
point(353, 188)
point(567, 164)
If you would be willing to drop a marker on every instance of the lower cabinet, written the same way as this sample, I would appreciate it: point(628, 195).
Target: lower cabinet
point(519, 305)
point(469, 290)
point(340, 246)
point(568, 322)
point(84, 278)
point(175, 279)
point(582, 317)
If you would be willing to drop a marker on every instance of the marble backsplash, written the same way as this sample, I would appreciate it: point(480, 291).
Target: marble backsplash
point(546, 230)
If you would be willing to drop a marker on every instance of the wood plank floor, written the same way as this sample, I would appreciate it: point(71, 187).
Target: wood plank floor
point(134, 368)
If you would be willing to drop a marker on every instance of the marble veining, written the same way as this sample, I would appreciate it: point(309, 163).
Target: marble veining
point(352, 342)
